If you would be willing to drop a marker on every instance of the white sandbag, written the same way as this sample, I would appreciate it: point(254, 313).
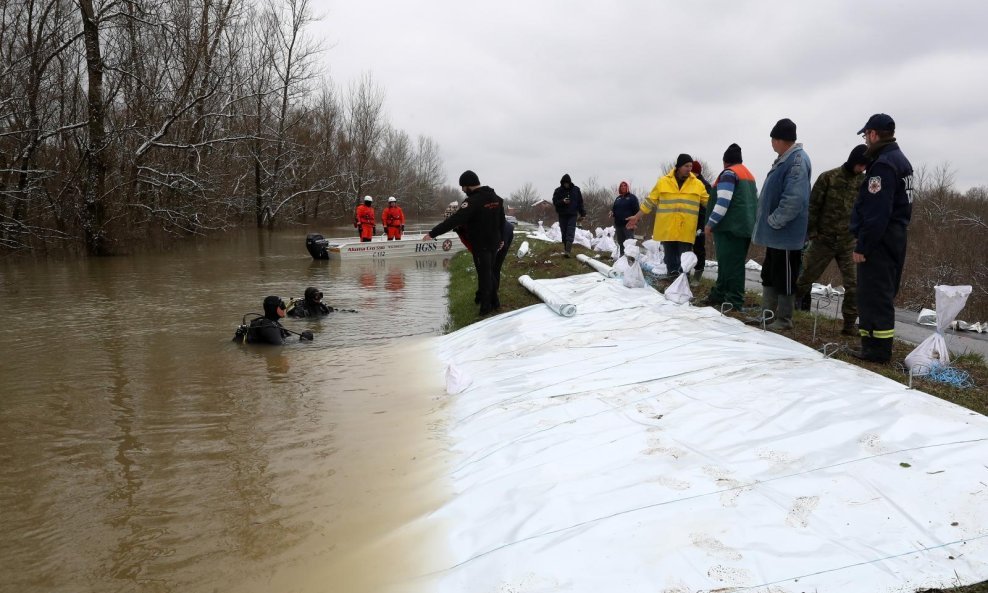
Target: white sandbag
point(981, 327)
point(927, 317)
point(601, 267)
point(550, 298)
point(826, 291)
point(633, 276)
point(753, 265)
point(457, 380)
point(687, 261)
point(933, 350)
point(523, 250)
point(653, 257)
point(679, 291)
point(583, 237)
point(621, 266)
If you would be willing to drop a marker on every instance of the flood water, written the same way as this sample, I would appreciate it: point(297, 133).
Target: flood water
point(142, 450)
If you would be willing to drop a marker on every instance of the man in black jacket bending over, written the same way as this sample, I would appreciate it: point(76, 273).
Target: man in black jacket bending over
point(482, 217)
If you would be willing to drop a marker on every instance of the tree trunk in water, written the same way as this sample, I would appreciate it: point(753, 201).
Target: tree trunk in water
point(94, 206)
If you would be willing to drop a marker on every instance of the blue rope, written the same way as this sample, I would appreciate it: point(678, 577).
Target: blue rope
point(944, 373)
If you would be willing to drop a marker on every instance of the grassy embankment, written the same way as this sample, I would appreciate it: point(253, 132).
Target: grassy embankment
point(545, 260)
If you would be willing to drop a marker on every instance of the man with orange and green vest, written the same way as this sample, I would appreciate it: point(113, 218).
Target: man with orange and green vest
point(676, 199)
point(732, 219)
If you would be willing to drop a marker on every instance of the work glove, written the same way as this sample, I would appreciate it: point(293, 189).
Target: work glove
point(403, 228)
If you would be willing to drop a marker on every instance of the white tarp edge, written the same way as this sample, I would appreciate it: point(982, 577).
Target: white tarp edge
point(647, 447)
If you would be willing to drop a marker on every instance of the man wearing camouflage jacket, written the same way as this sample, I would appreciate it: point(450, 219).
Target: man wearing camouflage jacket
point(828, 230)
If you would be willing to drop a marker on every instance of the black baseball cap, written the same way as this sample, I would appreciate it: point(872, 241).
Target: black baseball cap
point(879, 122)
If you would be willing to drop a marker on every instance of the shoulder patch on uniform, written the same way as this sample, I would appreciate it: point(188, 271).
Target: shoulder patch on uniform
point(874, 184)
point(465, 204)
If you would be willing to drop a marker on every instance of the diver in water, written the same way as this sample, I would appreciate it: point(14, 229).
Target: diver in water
point(310, 305)
point(267, 329)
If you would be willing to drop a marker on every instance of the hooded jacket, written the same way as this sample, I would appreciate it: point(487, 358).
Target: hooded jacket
point(676, 208)
point(625, 206)
point(575, 205)
point(482, 217)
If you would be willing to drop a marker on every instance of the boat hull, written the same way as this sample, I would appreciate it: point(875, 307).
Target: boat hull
point(348, 249)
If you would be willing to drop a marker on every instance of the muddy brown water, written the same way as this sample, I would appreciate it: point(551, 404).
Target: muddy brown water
point(141, 450)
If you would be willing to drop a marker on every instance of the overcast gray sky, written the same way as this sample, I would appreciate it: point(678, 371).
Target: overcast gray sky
point(528, 90)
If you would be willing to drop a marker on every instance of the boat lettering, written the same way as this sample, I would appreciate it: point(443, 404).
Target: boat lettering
point(425, 247)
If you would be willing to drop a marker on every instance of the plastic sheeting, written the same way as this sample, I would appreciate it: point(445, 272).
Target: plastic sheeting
point(601, 267)
point(648, 447)
point(552, 300)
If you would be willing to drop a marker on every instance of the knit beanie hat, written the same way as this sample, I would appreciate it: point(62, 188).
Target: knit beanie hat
point(785, 129)
point(732, 155)
point(469, 179)
point(857, 156)
point(683, 159)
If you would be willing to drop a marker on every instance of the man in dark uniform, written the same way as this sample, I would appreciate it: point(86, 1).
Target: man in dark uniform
point(482, 217)
point(879, 219)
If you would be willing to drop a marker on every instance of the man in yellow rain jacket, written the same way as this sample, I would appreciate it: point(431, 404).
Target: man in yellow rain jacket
point(676, 199)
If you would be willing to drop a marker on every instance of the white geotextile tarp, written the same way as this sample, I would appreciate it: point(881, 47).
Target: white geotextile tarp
point(647, 447)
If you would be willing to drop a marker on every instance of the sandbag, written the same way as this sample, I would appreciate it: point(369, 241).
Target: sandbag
point(933, 350)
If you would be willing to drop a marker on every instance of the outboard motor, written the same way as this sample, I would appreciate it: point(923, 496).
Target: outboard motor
point(316, 244)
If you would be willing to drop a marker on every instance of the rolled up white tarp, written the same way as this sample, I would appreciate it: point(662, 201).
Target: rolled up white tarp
point(597, 265)
point(552, 300)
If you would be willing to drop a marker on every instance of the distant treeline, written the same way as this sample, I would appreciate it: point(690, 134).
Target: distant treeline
point(122, 120)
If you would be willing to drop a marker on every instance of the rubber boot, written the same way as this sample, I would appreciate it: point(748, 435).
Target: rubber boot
point(874, 349)
point(881, 349)
point(849, 323)
point(566, 249)
point(783, 313)
point(770, 301)
point(697, 275)
point(804, 301)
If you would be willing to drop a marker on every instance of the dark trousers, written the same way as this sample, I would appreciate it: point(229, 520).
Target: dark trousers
point(780, 269)
point(671, 252)
point(731, 252)
point(878, 284)
point(567, 224)
point(622, 234)
point(483, 259)
point(496, 275)
point(700, 243)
